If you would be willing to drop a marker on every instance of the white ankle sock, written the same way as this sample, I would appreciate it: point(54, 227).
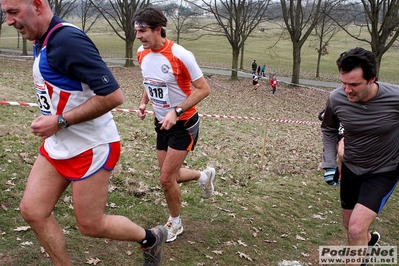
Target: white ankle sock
point(203, 178)
point(174, 220)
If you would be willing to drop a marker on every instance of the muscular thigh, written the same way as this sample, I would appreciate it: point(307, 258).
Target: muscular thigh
point(90, 196)
point(44, 187)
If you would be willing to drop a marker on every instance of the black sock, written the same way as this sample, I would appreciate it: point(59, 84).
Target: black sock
point(149, 239)
point(373, 240)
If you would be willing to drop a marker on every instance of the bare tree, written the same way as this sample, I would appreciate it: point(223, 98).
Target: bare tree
point(380, 18)
point(24, 41)
point(62, 7)
point(24, 47)
point(183, 16)
point(300, 18)
point(88, 14)
point(119, 15)
point(236, 20)
point(326, 29)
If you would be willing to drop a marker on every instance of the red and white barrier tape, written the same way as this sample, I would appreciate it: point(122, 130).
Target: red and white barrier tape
point(18, 103)
point(202, 115)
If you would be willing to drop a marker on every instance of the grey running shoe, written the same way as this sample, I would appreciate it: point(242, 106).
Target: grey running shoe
point(174, 230)
point(207, 187)
point(153, 255)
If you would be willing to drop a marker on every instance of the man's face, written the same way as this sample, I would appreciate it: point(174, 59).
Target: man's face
point(357, 89)
point(21, 15)
point(149, 38)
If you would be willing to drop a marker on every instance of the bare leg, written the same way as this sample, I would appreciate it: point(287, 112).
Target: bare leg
point(170, 163)
point(186, 175)
point(43, 189)
point(357, 222)
point(89, 199)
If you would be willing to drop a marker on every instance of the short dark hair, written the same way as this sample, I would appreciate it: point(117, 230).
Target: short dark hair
point(358, 57)
point(153, 17)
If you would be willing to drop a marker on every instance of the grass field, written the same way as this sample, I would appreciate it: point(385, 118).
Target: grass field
point(261, 214)
point(262, 46)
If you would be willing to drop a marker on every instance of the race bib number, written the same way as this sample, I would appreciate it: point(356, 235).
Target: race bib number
point(43, 99)
point(157, 92)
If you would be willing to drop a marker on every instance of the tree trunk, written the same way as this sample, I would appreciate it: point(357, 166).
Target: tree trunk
point(242, 57)
point(129, 53)
point(378, 59)
point(296, 65)
point(234, 64)
point(24, 47)
point(178, 37)
point(318, 65)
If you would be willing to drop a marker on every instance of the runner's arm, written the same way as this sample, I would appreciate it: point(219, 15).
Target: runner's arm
point(94, 107)
point(142, 105)
point(201, 91)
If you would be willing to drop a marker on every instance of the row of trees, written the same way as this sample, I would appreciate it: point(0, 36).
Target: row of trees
point(237, 20)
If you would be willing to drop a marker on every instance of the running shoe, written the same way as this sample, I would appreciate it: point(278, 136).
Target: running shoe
point(207, 187)
point(375, 237)
point(174, 229)
point(153, 255)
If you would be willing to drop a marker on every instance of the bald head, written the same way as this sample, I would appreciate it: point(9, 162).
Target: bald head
point(30, 17)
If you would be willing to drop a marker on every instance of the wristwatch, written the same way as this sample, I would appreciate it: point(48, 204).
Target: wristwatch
point(179, 111)
point(62, 123)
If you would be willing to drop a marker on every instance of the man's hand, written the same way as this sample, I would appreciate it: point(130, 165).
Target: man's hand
point(169, 120)
point(45, 126)
point(329, 176)
point(141, 112)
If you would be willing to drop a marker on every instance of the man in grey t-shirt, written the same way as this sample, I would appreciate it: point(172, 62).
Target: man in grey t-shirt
point(369, 112)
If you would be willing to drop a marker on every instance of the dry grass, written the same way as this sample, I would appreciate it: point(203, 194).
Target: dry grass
point(259, 215)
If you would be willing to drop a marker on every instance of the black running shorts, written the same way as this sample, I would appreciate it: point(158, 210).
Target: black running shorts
point(370, 190)
point(182, 136)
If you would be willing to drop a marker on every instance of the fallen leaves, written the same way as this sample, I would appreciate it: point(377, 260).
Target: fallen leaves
point(241, 243)
point(298, 237)
point(230, 213)
point(27, 158)
point(318, 216)
point(218, 252)
point(22, 228)
point(43, 251)
point(244, 256)
point(27, 243)
point(93, 261)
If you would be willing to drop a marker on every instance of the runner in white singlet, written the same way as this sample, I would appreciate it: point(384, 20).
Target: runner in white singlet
point(76, 92)
point(169, 71)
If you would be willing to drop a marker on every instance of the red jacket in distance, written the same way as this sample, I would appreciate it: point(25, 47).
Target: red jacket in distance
point(273, 82)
